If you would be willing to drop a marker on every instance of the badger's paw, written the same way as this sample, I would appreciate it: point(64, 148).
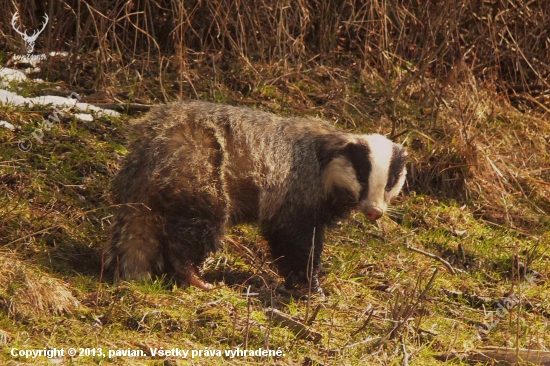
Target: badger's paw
point(188, 274)
point(303, 288)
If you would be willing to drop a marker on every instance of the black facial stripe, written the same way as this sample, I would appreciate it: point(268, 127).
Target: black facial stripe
point(397, 164)
point(359, 156)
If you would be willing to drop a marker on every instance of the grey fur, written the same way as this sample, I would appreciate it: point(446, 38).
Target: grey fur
point(199, 167)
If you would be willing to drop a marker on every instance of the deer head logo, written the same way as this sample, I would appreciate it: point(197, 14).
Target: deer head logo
point(29, 40)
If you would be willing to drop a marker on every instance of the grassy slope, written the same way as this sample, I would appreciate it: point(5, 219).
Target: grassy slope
point(54, 217)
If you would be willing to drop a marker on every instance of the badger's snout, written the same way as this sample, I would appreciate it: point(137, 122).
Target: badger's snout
point(373, 213)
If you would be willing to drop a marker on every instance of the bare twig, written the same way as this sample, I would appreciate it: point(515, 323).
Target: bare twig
point(34, 234)
point(301, 330)
point(248, 312)
point(433, 256)
point(511, 356)
point(365, 323)
point(314, 315)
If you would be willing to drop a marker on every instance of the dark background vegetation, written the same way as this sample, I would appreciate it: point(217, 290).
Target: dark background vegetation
point(464, 85)
point(504, 43)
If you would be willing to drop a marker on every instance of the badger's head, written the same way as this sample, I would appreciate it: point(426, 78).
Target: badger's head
point(371, 170)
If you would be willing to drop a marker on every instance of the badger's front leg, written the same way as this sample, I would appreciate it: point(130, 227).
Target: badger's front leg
point(296, 246)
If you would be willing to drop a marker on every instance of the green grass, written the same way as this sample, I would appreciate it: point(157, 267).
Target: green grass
point(55, 215)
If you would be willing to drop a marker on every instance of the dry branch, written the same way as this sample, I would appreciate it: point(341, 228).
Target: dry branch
point(501, 354)
point(474, 300)
point(301, 330)
point(433, 256)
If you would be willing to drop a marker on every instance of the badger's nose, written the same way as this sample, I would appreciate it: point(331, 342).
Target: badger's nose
point(373, 213)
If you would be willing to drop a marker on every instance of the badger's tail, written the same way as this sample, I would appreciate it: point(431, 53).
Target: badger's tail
point(134, 251)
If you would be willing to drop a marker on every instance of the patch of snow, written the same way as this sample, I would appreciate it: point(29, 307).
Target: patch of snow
point(61, 54)
point(12, 75)
point(88, 107)
point(7, 125)
point(84, 117)
point(7, 97)
point(52, 99)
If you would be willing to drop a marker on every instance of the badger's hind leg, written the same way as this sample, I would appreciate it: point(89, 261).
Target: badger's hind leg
point(135, 251)
point(193, 231)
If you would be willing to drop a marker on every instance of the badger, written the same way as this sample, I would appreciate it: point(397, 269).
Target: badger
point(197, 168)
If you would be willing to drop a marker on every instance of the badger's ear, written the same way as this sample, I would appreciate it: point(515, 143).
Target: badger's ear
point(340, 175)
point(358, 153)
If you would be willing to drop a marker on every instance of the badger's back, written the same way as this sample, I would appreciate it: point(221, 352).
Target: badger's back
point(254, 153)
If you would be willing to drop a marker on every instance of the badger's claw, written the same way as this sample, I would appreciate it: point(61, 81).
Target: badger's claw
point(189, 274)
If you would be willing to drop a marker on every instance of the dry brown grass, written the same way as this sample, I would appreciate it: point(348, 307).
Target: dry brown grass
point(502, 42)
point(28, 292)
point(486, 153)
